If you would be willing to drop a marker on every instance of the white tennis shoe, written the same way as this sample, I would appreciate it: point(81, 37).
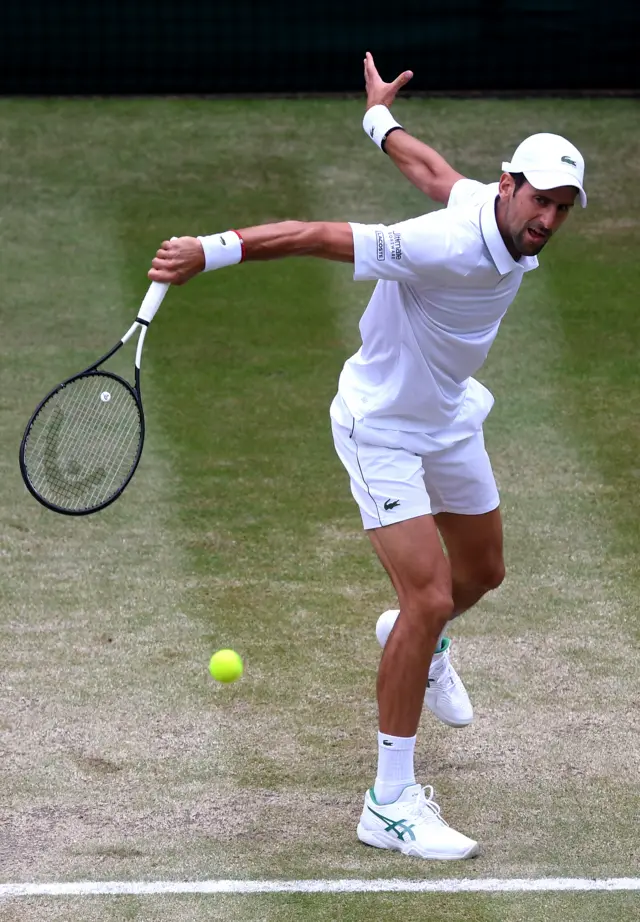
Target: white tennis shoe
point(413, 825)
point(446, 695)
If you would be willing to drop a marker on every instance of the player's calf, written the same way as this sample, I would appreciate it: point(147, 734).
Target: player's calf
point(445, 695)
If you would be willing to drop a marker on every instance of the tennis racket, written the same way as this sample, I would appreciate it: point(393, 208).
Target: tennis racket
point(83, 443)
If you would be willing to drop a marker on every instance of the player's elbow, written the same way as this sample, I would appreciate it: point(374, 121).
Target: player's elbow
point(308, 237)
point(326, 239)
point(317, 237)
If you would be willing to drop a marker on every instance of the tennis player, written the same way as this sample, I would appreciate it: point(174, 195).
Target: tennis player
point(407, 419)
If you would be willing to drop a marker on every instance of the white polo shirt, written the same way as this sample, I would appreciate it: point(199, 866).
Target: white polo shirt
point(446, 280)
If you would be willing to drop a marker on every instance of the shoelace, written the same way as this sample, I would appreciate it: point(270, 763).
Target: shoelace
point(443, 677)
point(424, 803)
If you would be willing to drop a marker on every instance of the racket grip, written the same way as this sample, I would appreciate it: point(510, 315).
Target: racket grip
point(152, 301)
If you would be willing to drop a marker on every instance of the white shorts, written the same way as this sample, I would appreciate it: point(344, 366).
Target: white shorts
point(391, 484)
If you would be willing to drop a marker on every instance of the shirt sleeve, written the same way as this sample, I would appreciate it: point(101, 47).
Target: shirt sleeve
point(403, 252)
point(467, 192)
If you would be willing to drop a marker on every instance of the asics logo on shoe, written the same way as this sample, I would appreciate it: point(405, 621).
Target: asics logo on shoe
point(391, 504)
point(400, 827)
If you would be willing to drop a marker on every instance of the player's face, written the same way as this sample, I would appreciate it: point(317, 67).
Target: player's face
point(531, 215)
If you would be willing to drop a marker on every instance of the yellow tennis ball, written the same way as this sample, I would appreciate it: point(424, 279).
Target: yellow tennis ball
point(225, 666)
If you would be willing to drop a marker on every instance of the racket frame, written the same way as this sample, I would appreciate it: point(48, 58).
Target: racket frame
point(89, 372)
point(148, 309)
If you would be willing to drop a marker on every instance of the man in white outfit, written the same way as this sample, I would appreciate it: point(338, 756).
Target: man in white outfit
point(407, 419)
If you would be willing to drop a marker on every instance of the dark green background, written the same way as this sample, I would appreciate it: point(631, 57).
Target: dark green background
point(142, 46)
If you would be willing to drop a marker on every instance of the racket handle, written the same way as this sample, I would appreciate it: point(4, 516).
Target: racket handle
point(152, 301)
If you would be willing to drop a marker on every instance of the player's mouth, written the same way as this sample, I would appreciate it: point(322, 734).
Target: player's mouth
point(537, 236)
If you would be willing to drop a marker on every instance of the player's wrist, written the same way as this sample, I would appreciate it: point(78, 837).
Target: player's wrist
point(378, 123)
point(220, 250)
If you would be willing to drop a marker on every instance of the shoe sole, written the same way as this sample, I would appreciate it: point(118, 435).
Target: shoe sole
point(379, 840)
point(450, 723)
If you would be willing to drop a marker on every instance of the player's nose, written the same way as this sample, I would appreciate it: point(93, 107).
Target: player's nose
point(547, 220)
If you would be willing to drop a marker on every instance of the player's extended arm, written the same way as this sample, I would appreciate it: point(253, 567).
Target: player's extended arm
point(421, 164)
point(180, 259)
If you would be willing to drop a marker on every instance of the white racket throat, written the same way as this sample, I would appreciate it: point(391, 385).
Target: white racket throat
point(148, 309)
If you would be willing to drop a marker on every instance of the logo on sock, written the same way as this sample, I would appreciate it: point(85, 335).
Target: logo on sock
point(387, 743)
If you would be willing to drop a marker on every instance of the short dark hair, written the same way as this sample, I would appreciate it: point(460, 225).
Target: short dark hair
point(519, 180)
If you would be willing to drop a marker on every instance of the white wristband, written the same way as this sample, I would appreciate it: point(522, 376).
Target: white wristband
point(222, 250)
point(378, 122)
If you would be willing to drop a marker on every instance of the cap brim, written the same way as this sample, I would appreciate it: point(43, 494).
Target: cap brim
point(554, 179)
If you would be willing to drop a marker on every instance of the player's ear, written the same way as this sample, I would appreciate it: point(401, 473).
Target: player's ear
point(507, 186)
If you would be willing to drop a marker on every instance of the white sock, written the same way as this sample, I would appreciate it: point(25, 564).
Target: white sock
point(395, 767)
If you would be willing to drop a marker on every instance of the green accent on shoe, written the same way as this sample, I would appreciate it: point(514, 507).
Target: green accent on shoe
point(445, 643)
point(401, 827)
point(373, 797)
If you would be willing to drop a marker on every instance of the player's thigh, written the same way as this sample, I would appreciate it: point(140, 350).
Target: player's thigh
point(412, 555)
point(475, 546)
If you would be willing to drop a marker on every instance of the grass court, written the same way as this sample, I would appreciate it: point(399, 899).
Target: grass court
point(122, 760)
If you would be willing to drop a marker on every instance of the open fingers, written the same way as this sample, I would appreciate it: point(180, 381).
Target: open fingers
point(402, 78)
point(370, 69)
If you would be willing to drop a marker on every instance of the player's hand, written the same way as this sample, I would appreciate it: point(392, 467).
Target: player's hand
point(380, 93)
point(177, 261)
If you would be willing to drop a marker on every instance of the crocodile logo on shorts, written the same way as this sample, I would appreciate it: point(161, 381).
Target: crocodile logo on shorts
point(391, 504)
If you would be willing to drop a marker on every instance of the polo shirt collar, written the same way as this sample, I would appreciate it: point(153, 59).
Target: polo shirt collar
point(504, 261)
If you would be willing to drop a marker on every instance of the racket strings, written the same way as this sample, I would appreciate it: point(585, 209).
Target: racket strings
point(84, 443)
point(79, 412)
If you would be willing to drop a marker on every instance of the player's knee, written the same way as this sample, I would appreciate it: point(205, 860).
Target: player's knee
point(430, 609)
point(485, 576)
point(493, 575)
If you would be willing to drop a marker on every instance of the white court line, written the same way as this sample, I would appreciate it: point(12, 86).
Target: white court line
point(381, 885)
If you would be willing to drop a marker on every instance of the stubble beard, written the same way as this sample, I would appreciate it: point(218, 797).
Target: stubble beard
point(526, 246)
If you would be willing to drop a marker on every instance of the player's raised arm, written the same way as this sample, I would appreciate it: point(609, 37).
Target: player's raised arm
point(180, 259)
point(421, 164)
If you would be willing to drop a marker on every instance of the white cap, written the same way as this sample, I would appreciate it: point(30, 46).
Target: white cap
point(548, 162)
